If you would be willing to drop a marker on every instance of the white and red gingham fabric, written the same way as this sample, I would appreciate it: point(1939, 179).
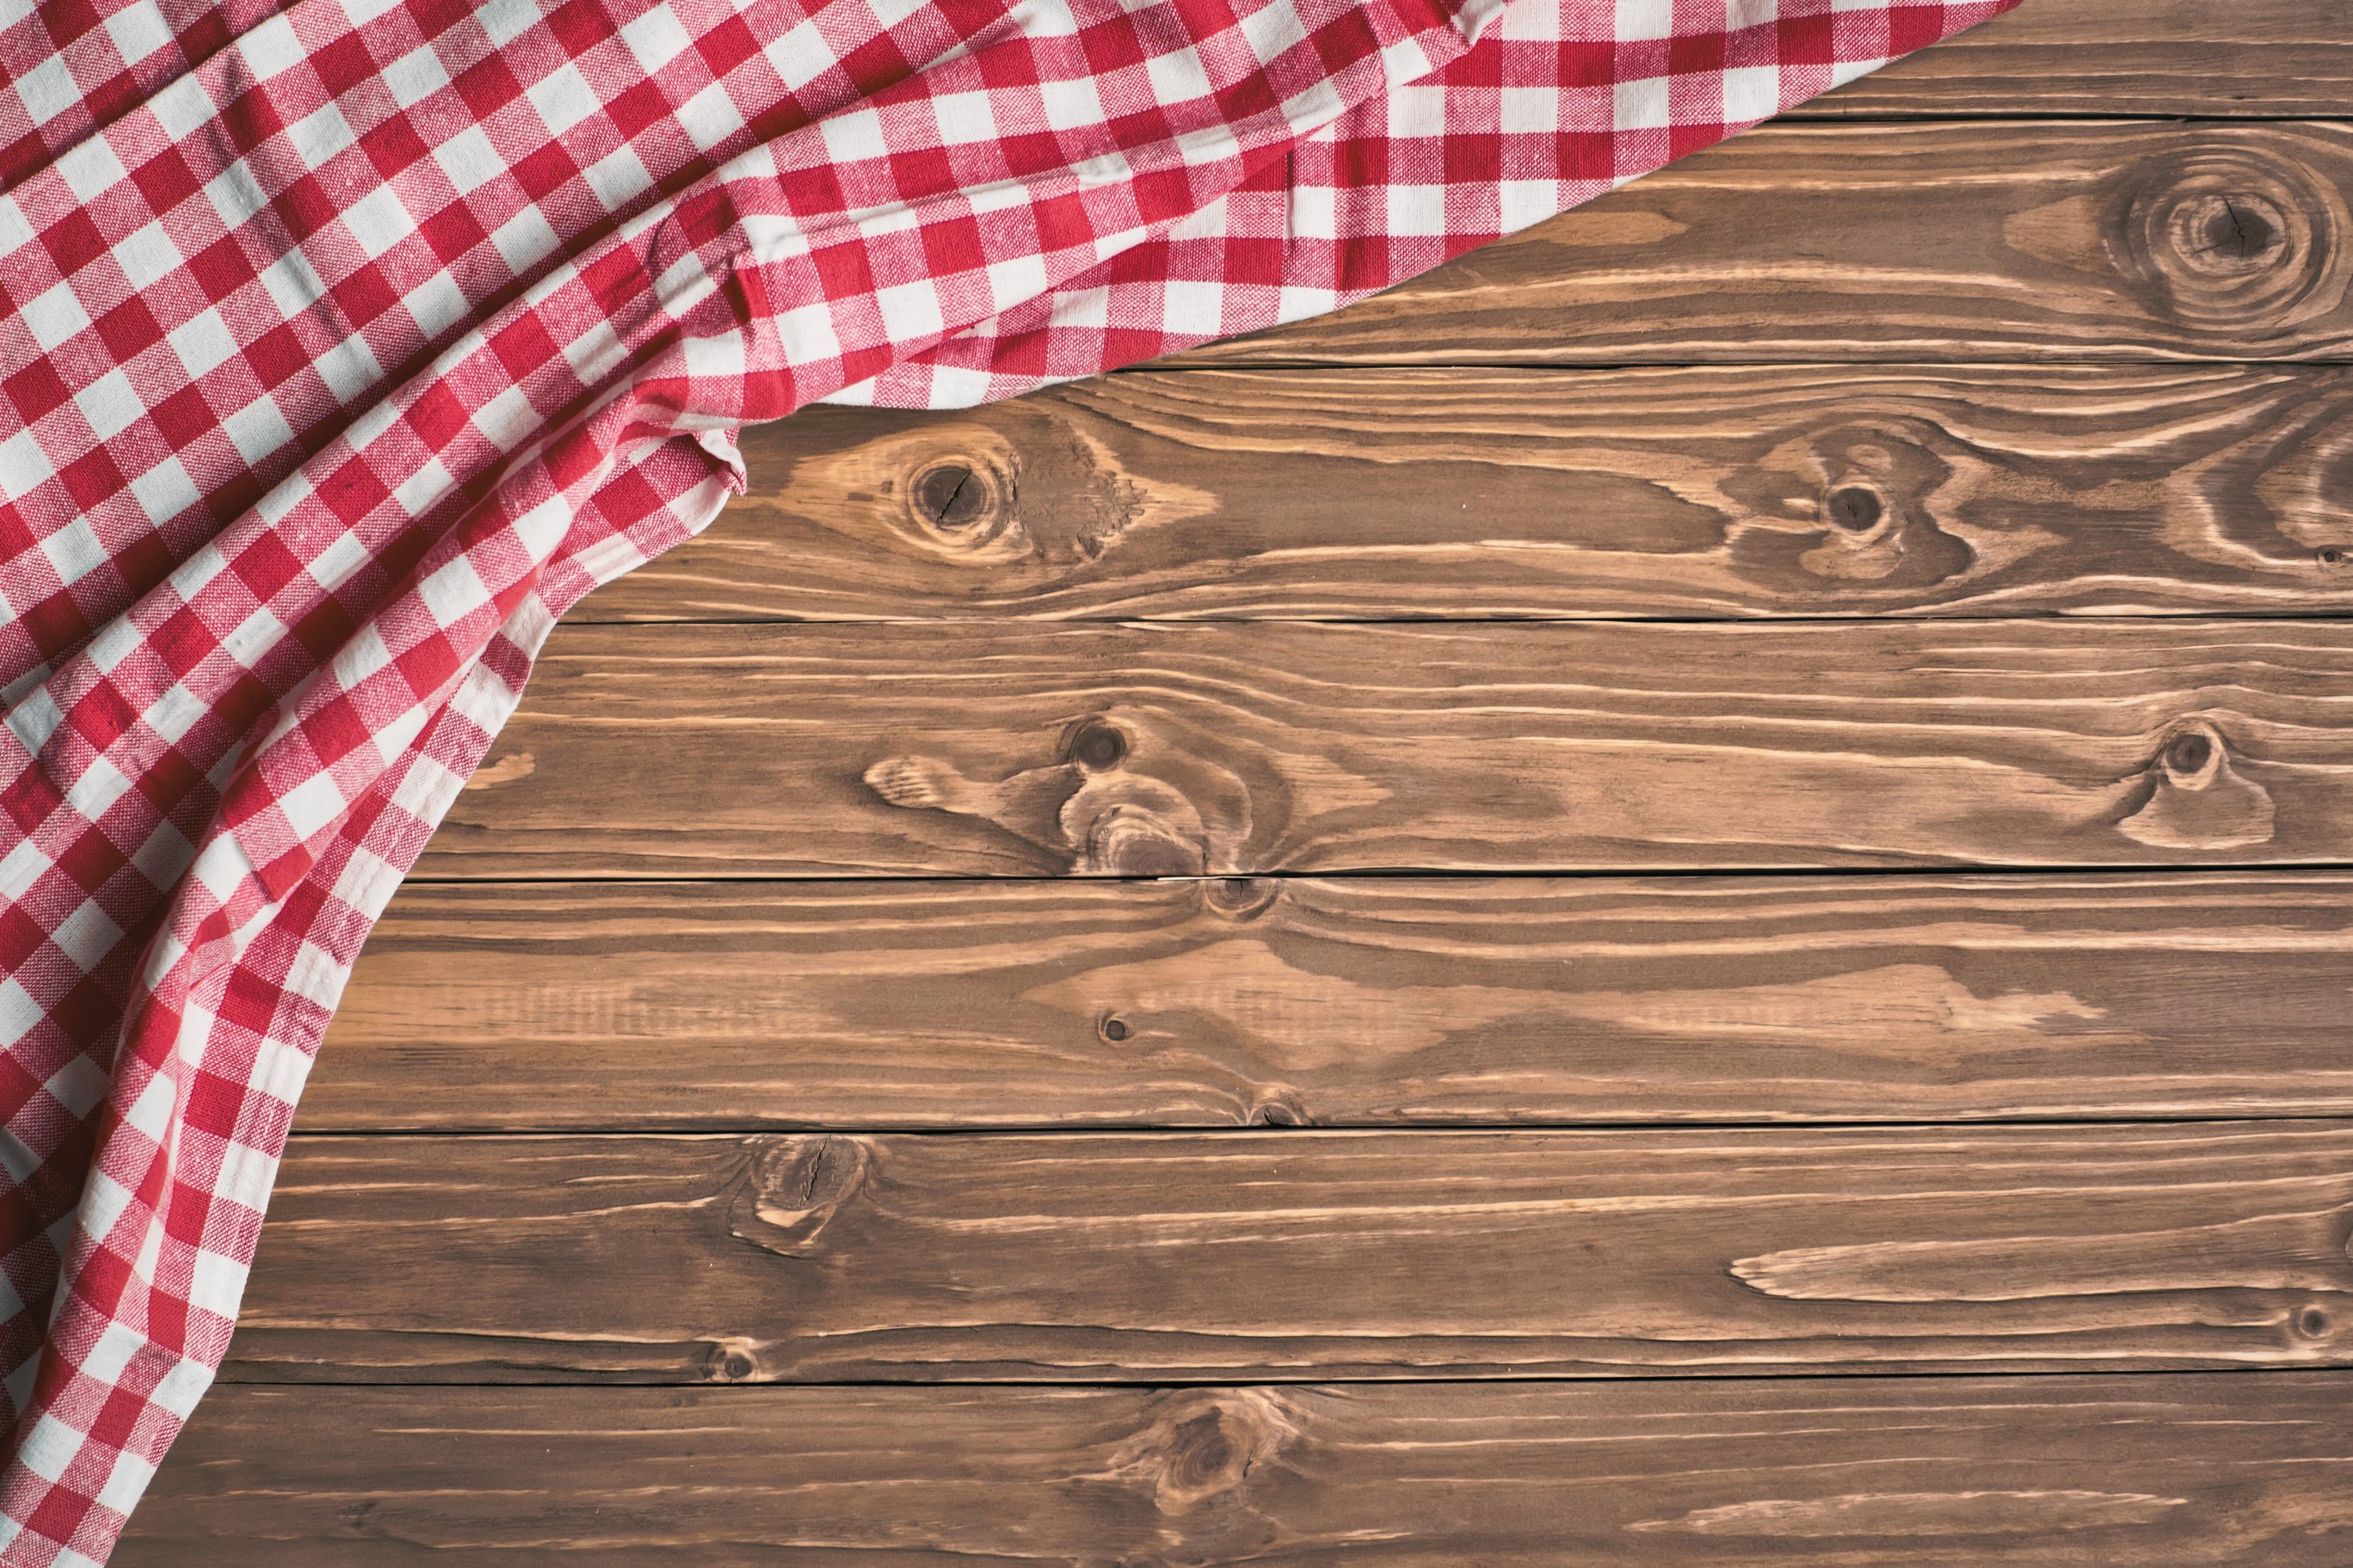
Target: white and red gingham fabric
point(345, 344)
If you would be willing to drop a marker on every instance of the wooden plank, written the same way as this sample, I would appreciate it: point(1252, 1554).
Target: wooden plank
point(1028, 749)
point(2134, 1472)
point(1904, 242)
point(2125, 57)
point(1344, 1002)
point(1497, 493)
point(1175, 1256)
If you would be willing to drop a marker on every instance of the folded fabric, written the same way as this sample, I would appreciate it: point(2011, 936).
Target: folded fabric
point(345, 346)
point(1560, 101)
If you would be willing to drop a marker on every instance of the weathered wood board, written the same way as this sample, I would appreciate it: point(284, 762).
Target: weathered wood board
point(1906, 1473)
point(2161, 57)
point(1182, 1256)
point(1366, 1001)
point(2045, 241)
point(1224, 749)
point(1484, 494)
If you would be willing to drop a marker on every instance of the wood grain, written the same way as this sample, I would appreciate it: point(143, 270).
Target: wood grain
point(1104, 750)
point(2163, 57)
point(1179, 1256)
point(2143, 1472)
point(1337, 494)
point(1903, 242)
point(1353, 1001)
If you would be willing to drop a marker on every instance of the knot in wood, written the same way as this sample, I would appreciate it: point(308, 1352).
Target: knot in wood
point(2245, 234)
point(1240, 898)
point(949, 496)
point(1283, 1109)
point(1115, 1029)
point(1201, 1447)
point(962, 506)
point(1856, 508)
point(1201, 1451)
point(2193, 756)
point(1098, 746)
point(794, 1186)
point(2195, 797)
point(730, 1359)
point(1140, 839)
point(2233, 238)
point(1882, 490)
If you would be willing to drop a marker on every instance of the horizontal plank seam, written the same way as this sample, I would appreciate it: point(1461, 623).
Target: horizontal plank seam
point(1305, 1134)
point(1178, 366)
point(1181, 366)
point(751, 1390)
point(1811, 115)
point(1762, 624)
point(2102, 873)
point(1396, 873)
point(1929, 615)
point(2152, 361)
point(1788, 1125)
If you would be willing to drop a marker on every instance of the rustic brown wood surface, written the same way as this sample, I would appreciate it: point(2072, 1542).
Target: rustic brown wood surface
point(1762, 1473)
point(2055, 240)
point(1141, 1256)
point(1337, 1001)
point(1820, 490)
point(1017, 995)
point(1223, 749)
point(2124, 57)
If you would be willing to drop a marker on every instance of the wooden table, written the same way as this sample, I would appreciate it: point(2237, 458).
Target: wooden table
point(1681, 895)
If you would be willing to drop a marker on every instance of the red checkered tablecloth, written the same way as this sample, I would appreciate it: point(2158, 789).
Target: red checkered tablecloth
point(344, 344)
